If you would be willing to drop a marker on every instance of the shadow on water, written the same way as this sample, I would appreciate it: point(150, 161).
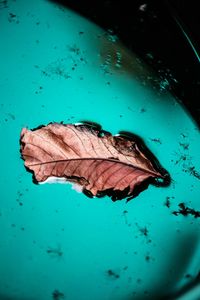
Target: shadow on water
point(175, 269)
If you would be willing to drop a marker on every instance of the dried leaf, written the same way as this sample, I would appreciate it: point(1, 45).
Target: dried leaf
point(101, 164)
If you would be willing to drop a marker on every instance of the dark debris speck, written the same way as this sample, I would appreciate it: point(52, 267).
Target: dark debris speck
point(183, 135)
point(143, 110)
point(12, 18)
point(55, 252)
point(74, 49)
point(125, 212)
point(144, 231)
point(156, 140)
point(112, 274)
point(148, 258)
point(192, 171)
point(185, 211)
point(20, 194)
point(57, 295)
point(57, 68)
point(185, 146)
point(167, 202)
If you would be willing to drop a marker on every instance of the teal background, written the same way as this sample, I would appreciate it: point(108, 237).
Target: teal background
point(57, 66)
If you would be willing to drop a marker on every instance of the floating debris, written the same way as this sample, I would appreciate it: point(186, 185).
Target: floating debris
point(12, 18)
point(185, 211)
point(55, 252)
point(143, 110)
point(185, 146)
point(192, 171)
point(144, 231)
point(167, 202)
point(125, 216)
point(57, 69)
point(156, 140)
point(112, 274)
point(57, 295)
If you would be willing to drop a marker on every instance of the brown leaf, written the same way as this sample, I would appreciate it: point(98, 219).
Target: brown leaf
point(90, 157)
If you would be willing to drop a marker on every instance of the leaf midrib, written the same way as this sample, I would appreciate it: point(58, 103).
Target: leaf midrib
point(98, 158)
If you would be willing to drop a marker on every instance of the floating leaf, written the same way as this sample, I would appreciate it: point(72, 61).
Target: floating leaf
point(99, 163)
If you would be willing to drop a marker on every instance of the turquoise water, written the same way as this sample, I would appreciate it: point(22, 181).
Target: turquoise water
point(56, 66)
